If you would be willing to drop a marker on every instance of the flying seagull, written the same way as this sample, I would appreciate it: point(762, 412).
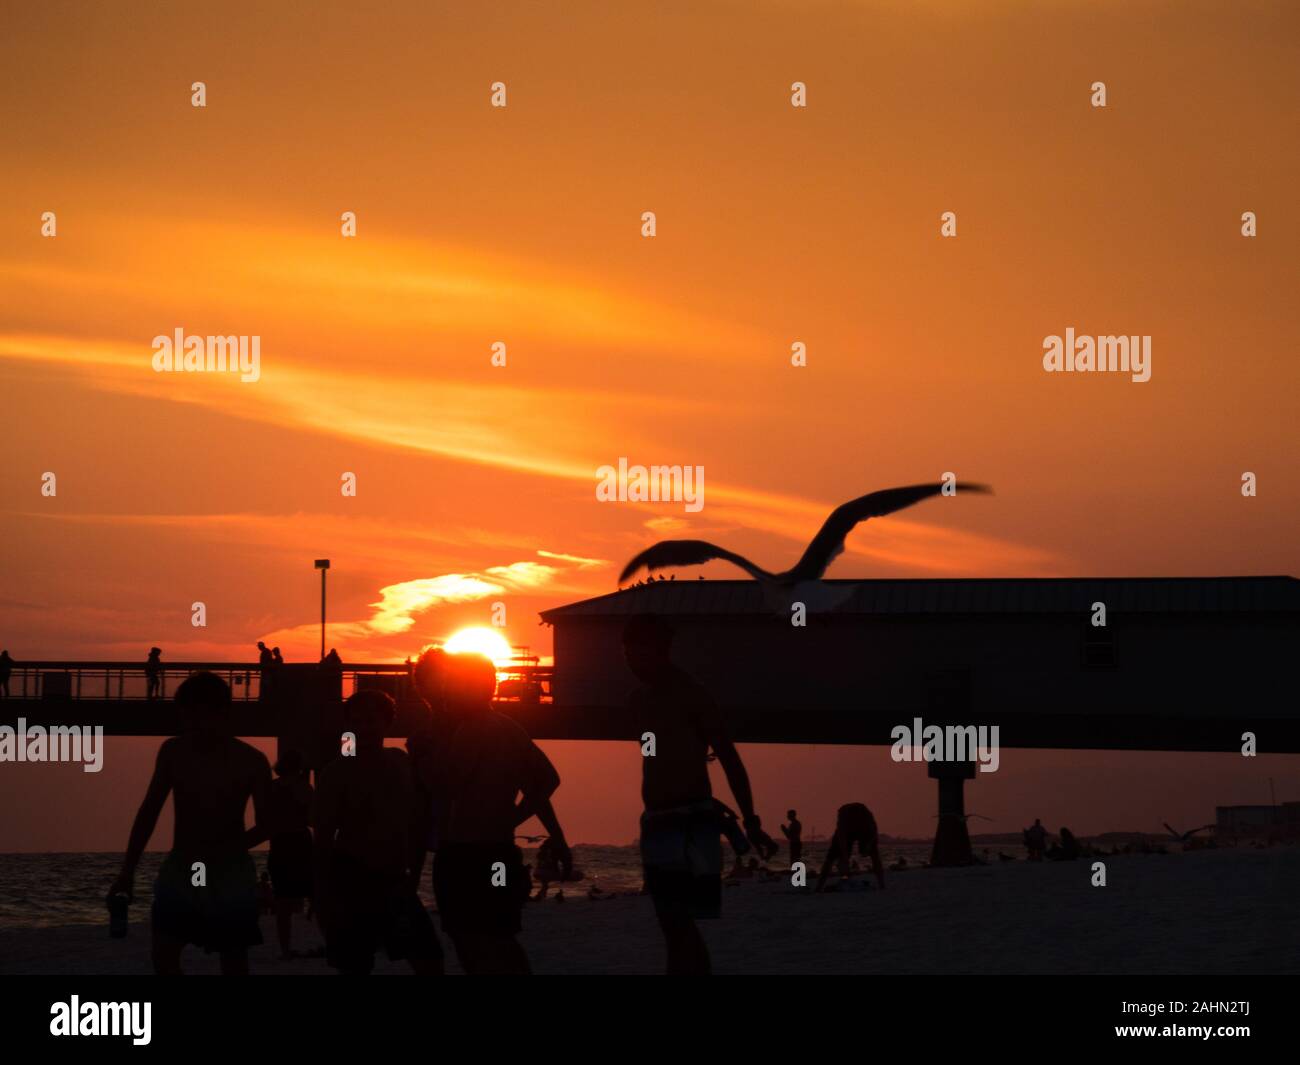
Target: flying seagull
point(1184, 837)
point(826, 546)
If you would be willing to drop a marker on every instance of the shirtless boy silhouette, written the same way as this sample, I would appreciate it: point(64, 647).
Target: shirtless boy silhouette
point(681, 847)
point(211, 776)
point(485, 763)
point(368, 819)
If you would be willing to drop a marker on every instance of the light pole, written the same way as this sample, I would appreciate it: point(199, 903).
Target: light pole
point(322, 564)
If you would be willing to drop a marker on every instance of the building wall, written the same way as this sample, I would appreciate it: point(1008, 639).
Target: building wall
point(1182, 667)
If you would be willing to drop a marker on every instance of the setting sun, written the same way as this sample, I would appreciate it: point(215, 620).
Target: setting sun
point(481, 640)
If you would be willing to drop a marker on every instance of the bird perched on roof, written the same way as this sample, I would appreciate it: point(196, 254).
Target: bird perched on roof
point(799, 582)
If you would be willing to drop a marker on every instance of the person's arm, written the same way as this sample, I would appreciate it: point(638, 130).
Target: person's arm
point(785, 831)
point(417, 825)
point(260, 792)
point(543, 781)
point(146, 820)
point(560, 849)
point(326, 811)
point(738, 781)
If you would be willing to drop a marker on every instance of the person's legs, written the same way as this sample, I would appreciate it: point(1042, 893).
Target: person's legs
point(165, 953)
point(426, 966)
point(284, 909)
point(491, 954)
point(687, 953)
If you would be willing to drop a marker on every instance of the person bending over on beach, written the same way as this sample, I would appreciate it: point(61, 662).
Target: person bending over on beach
point(479, 877)
point(206, 892)
point(681, 847)
point(853, 824)
point(367, 819)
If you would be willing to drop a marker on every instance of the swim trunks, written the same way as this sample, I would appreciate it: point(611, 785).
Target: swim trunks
point(372, 910)
point(290, 864)
point(681, 854)
point(468, 899)
point(219, 916)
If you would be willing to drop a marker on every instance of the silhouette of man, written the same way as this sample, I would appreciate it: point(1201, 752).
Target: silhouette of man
point(153, 673)
point(206, 892)
point(366, 814)
point(266, 670)
point(793, 833)
point(853, 824)
point(427, 738)
point(479, 877)
point(1036, 840)
point(6, 669)
point(681, 848)
point(290, 861)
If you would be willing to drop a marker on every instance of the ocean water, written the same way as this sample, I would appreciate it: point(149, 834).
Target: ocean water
point(44, 890)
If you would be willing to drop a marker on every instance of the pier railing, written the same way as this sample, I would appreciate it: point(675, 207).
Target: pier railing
point(249, 681)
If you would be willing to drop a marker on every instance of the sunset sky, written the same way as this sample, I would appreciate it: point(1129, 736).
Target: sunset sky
point(522, 224)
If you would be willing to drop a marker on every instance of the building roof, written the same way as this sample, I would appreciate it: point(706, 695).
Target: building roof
point(1016, 595)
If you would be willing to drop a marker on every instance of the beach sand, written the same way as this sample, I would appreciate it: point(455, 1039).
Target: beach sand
point(1214, 911)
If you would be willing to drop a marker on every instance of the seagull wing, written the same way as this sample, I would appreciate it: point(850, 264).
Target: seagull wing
point(829, 541)
point(688, 553)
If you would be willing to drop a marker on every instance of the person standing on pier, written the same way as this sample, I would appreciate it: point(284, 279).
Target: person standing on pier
point(266, 671)
point(153, 673)
point(6, 668)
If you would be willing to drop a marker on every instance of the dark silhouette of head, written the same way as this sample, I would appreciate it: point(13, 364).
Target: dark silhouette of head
point(289, 764)
point(468, 683)
point(647, 646)
point(790, 815)
point(261, 646)
point(368, 715)
point(203, 703)
point(429, 670)
point(154, 652)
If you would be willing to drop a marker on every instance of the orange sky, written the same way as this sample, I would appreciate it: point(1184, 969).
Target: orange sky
point(522, 224)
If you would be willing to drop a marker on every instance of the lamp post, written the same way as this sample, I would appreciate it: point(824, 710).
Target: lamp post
point(322, 564)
